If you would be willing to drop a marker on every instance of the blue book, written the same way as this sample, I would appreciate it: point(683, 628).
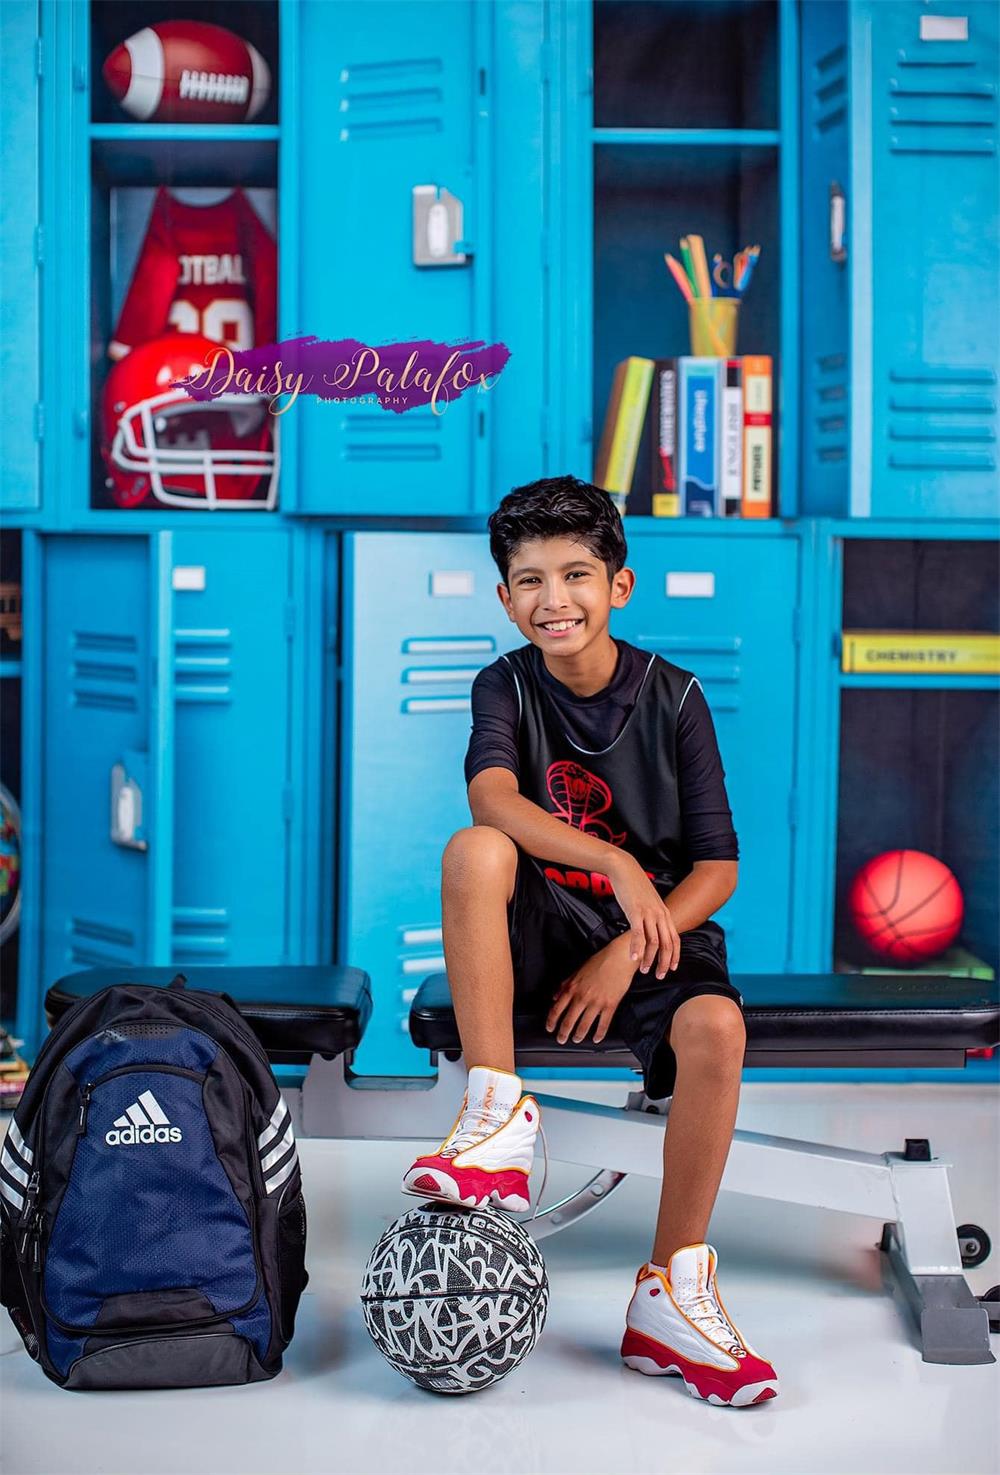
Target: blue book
point(699, 436)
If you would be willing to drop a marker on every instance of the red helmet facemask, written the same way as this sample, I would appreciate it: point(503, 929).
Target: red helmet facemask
point(223, 452)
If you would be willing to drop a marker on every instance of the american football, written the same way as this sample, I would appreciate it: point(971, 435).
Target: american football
point(186, 71)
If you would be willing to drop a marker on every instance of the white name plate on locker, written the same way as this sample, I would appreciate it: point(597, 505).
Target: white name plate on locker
point(944, 28)
point(691, 586)
point(452, 581)
point(190, 576)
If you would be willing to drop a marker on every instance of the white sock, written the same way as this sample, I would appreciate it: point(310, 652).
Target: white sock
point(498, 1090)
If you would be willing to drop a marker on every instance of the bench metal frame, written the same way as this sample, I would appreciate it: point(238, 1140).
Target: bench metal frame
point(912, 1198)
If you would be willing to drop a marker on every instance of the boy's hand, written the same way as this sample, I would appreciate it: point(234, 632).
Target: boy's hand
point(653, 929)
point(592, 993)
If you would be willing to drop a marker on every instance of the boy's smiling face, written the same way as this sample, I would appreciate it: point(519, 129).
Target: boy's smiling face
point(558, 595)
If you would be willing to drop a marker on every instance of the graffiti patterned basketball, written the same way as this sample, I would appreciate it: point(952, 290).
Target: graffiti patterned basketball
point(906, 905)
point(454, 1299)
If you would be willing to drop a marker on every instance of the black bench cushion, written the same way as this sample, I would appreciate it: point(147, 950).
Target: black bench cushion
point(785, 1013)
point(295, 1012)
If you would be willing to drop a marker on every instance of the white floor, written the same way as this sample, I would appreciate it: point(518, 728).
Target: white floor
point(805, 1286)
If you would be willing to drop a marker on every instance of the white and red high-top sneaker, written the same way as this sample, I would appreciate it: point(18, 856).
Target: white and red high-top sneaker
point(487, 1155)
point(677, 1324)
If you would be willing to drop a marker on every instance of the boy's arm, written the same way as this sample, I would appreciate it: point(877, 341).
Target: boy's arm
point(652, 937)
point(494, 799)
point(706, 888)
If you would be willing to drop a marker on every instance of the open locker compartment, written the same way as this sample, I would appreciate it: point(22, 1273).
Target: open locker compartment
point(919, 771)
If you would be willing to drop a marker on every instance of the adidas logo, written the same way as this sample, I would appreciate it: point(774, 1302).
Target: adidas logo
point(143, 1121)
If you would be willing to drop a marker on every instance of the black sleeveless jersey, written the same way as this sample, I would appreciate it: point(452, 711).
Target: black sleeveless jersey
point(627, 794)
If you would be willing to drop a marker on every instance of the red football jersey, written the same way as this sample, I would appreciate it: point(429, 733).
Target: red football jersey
point(210, 269)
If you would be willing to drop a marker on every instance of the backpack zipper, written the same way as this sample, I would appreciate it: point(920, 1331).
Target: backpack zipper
point(30, 1216)
point(245, 1033)
point(87, 1090)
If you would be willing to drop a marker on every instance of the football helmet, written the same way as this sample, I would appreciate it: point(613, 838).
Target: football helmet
point(221, 452)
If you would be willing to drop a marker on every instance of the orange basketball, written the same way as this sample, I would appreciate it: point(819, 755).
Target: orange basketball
point(906, 905)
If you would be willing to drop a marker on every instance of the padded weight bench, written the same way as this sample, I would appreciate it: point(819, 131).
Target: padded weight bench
point(296, 1013)
point(799, 1020)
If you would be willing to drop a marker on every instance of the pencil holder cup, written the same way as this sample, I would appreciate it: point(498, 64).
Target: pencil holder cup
point(714, 321)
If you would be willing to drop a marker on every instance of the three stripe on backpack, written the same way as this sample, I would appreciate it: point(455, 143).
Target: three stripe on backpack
point(277, 1161)
point(280, 1159)
point(14, 1170)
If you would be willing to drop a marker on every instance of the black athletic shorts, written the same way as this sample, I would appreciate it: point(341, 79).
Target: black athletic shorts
point(554, 929)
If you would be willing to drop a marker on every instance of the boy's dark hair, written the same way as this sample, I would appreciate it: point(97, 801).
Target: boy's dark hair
point(558, 507)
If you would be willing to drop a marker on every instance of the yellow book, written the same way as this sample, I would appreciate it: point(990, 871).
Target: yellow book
point(626, 414)
point(926, 652)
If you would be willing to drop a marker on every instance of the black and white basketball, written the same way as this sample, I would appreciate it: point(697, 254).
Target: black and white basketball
point(454, 1299)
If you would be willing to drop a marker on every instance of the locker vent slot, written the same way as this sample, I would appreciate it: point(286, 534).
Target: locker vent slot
point(829, 92)
point(426, 675)
point(401, 99)
point(426, 706)
point(104, 672)
point(421, 936)
point(200, 932)
point(421, 646)
point(941, 418)
point(203, 665)
point(939, 106)
point(385, 437)
point(423, 966)
point(416, 963)
point(829, 410)
point(95, 944)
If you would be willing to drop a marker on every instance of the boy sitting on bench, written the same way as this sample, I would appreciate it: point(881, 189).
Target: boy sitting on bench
point(602, 836)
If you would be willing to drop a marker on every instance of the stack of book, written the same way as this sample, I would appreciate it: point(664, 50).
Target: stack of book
point(711, 435)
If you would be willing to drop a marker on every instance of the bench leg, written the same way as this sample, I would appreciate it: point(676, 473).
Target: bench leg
point(923, 1252)
point(338, 1103)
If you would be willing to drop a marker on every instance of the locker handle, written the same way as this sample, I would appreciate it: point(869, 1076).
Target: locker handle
point(838, 222)
point(128, 778)
point(438, 227)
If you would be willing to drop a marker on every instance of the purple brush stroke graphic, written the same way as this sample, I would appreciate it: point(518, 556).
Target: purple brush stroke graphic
point(402, 376)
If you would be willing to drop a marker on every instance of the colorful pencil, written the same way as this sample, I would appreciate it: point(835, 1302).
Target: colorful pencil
point(680, 276)
point(697, 247)
point(689, 265)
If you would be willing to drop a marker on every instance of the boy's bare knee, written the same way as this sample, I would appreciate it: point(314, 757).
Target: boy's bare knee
point(479, 856)
point(708, 1026)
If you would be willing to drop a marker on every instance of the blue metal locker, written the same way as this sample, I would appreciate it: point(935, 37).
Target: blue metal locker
point(724, 608)
point(421, 619)
point(900, 110)
point(233, 621)
point(826, 317)
point(935, 287)
point(166, 802)
point(391, 102)
point(20, 256)
point(105, 776)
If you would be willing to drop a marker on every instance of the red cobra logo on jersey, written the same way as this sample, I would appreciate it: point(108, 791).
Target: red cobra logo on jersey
point(579, 795)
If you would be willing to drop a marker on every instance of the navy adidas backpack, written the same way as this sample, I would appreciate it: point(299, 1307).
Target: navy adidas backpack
point(152, 1224)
